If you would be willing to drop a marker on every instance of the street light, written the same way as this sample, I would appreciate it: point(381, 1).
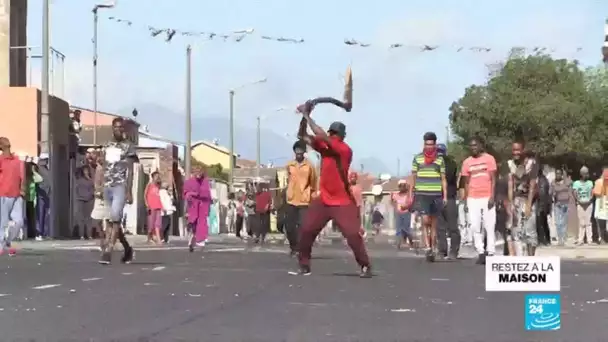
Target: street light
point(258, 151)
point(95, 22)
point(231, 96)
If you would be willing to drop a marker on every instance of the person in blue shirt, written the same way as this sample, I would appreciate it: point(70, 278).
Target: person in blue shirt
point(582, 190)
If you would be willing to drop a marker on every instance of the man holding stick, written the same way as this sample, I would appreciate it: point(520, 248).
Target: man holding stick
point(336, 201)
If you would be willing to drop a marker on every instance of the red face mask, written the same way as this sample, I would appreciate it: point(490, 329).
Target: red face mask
point(430, 154)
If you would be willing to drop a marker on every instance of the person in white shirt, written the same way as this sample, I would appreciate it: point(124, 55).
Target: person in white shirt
point(166, 199)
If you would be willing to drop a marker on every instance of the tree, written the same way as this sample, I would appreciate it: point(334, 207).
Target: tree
point(546, 102)
point(214, 171)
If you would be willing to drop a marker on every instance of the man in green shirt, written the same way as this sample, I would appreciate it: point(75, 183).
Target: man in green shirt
point(583, 194)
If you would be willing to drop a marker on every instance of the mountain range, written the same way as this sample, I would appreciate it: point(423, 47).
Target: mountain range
point(275, 147)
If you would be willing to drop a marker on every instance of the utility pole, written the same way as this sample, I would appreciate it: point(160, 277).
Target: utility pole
point(95, 21)
point(188, 147)
point(398, 167)
point(447, 135)
point(45, 131)
point(231, 179)
point(258, 148)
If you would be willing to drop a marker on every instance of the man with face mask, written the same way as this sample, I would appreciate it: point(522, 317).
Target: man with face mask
point(301, 187)
point(430, 190)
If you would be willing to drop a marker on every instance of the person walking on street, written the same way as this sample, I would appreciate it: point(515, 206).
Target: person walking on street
point(335, 201)
point(168, 205)
point(240, 213)
point(560, 195)
point(583, 194)
point(479, 172)
point(301, 187)
point(600, 192)
point(402, 201)
point(197, 193)
point(544, 208)
point(154, 207)
point(448, 220)
point(119, 156)
point(430, 190)
point(12, 191)
point(357, 191)
point(84, 191)
point(43, 199)
point(523, 198)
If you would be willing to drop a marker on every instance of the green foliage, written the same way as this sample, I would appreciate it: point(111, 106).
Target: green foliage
point(556, 107)
point(214, 171)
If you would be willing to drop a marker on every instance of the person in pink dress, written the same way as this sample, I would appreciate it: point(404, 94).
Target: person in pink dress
point(197, 192)
point(155, 208)
point(402, 201)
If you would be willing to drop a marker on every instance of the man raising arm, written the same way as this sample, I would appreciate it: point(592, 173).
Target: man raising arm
point(335, 201)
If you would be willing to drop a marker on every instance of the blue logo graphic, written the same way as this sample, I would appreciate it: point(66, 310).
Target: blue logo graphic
point(543, 312)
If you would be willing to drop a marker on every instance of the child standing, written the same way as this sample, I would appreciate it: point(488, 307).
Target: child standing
point(155, 207)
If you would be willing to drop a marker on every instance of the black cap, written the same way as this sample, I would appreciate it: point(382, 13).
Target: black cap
point(338, 128)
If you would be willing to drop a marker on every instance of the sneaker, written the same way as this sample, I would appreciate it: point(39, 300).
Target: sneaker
point(39, 238)
point(302, 270)
point(366, 272)
point(12, 252)
point(200, 244)
point(106, 258)
point(481, 259)
point(453, 256)
point(128, 255)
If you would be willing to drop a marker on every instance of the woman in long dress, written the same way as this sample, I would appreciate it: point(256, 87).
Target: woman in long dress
point(197, 193)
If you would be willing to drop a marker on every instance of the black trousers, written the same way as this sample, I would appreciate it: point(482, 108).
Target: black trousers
point(601, 230)
point(82, 211)
point(447, 224)
point(166, 227)
point(293, 222)
point(542, 228)
point(262, 225)
point(240, 220)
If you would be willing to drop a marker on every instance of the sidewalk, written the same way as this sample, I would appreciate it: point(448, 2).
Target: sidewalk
point(137, 241)
point(570, 252)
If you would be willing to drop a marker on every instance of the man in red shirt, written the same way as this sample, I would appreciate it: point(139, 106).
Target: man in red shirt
point(336, 201)
point(12, 190)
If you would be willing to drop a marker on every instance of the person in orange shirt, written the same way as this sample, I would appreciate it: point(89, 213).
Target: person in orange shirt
point(301, 188)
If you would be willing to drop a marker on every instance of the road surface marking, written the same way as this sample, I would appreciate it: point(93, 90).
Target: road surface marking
point(225, 250)
point(158, 268)
point(127, 273)
point(4, 294)
point(440, 279)
point(44, 287)
point(91, 279)
point(403, 310)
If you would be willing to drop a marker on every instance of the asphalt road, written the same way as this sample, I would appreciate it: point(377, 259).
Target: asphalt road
point(229, 294)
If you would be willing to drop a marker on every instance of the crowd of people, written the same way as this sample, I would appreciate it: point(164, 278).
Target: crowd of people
point(473, 203)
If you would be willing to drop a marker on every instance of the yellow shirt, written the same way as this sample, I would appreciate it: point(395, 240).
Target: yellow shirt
point(301, 182)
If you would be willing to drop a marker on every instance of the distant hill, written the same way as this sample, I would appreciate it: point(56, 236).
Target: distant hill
point(170, 124)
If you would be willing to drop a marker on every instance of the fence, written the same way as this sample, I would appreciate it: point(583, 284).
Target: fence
point(34, 69)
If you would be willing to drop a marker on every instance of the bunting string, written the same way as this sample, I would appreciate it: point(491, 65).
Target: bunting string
point(237, 36)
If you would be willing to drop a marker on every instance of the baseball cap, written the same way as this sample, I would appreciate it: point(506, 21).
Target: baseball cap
point(442, 149)
point(338, 128)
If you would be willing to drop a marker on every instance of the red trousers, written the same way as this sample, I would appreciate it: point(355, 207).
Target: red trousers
point(347, 219)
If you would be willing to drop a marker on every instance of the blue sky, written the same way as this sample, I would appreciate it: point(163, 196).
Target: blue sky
point(399, 93)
